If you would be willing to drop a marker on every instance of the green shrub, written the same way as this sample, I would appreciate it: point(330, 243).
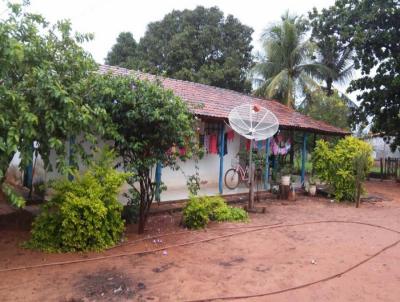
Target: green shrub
point(196, 213)
point(335, 165)
point(84, 214)
point(200, 210)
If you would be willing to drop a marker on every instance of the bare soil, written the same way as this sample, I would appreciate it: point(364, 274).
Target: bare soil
point(309, 241)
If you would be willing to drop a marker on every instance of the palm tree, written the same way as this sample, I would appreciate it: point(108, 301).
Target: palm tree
point(287, 67)
point(339, 60)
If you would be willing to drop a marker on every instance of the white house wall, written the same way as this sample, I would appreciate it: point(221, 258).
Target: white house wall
point(173, 179)
point(208, 168)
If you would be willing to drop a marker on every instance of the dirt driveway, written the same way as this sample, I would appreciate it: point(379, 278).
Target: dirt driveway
point(308, 250)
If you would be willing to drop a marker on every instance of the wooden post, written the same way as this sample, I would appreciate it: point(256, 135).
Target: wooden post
point(266, 179)
point(303, 159)
point(291, 152)
point(251, 176)
point(221, 158)
point(381, 164)
point(314, 145)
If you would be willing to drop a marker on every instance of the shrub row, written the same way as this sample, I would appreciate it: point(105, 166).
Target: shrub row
point(200, 210)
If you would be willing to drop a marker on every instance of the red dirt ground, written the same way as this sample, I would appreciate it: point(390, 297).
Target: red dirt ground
point(247, 264)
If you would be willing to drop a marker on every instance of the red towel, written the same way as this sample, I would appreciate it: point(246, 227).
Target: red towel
point(230, 135)
point(213, 149)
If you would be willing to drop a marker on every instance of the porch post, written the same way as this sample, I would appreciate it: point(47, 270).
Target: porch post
point(221, 157)
point(158, 181)
point(303, 159)
point(266, 179)
point(28, 175)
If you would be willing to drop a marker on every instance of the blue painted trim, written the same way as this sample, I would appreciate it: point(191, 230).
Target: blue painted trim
point(266, 178)
point(221, 158)
point(303, 159)
point(28, 176)
point(158, 181)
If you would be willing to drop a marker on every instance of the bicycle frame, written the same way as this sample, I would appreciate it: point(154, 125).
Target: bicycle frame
point(242, 172)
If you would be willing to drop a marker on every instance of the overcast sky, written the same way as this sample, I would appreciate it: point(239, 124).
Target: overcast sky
point(106, 19)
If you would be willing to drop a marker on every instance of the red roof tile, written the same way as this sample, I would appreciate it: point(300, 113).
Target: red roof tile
point(218, 102)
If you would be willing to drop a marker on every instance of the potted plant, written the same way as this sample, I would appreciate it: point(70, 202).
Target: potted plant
point(312, 186)
point(285, 176)
point(292, 192)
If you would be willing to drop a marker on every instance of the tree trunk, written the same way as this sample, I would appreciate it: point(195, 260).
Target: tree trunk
point(146, 199)
point(329, 82)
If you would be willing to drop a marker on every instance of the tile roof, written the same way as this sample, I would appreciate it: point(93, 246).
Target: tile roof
point(218, 102)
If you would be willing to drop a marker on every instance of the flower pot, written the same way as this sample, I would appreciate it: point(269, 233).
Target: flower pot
point(285, 180)
point(312, 190)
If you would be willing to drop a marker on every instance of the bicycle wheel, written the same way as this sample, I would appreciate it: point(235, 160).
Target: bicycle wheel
point(232, 179)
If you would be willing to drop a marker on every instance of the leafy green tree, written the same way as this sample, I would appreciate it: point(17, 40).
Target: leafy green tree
point(287, 66)
point(43, 74)
point(330, 51)
point(124, 52)
point(370, 27)
point(332, 109)
point(199, 45)
point(335, 165)
point(146, 122)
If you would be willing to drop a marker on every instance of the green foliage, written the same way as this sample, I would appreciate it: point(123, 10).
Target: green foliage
point(287, 66)
point(199, 45)
point(370, 28)
point(331, 109)
point(200, 210)
point(193, 183)
point(335, 165)
point(12, 197)
point(331, 51)
point(84, 214)
point(196, 213)
point(124, 52)
point(145, 121)
point(44, 76)
point(131, 211)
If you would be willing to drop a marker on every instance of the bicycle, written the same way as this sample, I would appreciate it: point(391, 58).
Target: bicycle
point(236, 175)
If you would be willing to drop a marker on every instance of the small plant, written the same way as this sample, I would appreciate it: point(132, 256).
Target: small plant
point(84, 214)
point(193, 184)
point(312, 181)
point(132, 209)
point(40, 188)
point(286, 170)
point(200, 210)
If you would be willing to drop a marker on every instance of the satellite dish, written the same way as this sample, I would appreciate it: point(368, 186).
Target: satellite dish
point(255, 123)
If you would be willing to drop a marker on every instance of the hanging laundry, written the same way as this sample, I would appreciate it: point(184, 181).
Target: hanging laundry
point(213, 147)
point(230, 135)
point(225, 143)
point(207, 143)
point(248, 145)
point(279, 145)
